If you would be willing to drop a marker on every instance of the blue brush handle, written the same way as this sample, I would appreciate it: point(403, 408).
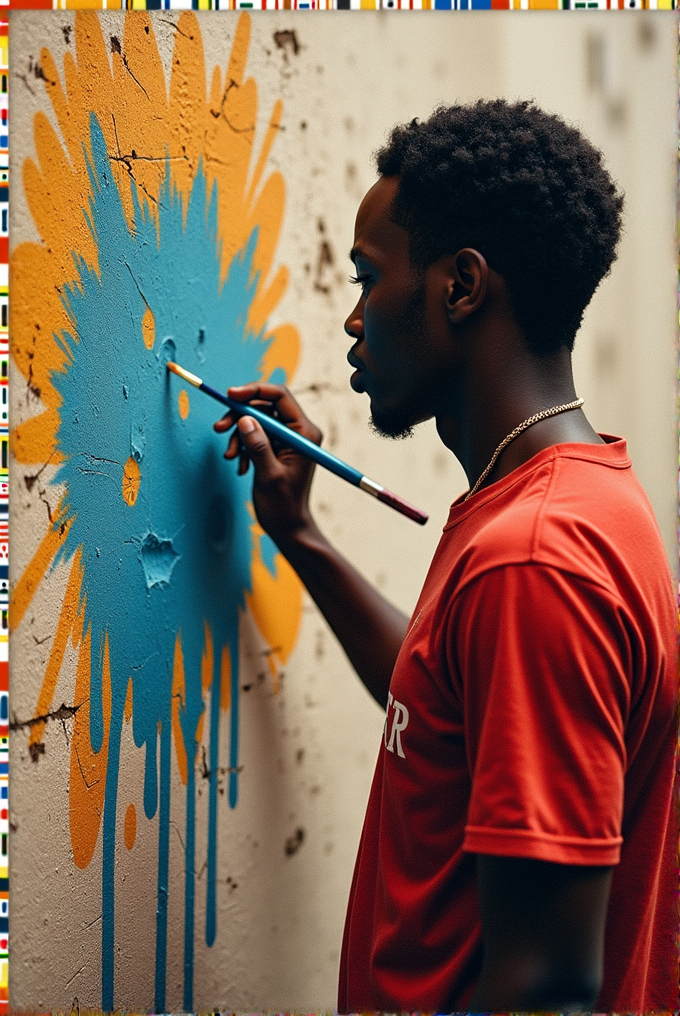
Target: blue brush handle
point(290, 437)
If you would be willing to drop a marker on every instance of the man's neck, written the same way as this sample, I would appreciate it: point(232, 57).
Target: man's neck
point(493, 401)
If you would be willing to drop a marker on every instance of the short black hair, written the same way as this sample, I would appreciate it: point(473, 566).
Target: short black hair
point(525, 189)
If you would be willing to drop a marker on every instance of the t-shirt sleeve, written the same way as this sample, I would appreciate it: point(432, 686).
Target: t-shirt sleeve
point(540, 659)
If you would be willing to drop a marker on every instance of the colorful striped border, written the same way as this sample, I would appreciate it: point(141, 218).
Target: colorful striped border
point(5, 5)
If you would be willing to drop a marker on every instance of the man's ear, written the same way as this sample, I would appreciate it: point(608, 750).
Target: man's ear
point(469, 276)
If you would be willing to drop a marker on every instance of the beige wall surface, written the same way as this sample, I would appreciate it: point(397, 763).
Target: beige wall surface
point(309, 733)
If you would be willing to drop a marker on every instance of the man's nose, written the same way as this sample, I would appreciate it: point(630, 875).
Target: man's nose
point(354, 325)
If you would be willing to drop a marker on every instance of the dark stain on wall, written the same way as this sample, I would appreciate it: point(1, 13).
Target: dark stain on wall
point(287, 41)
point(294, 842)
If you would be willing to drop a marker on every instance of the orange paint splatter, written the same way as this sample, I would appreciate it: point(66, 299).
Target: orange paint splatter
point(276, 605)
point(183, 404)
point(148, 328)
point(130, 826)
point(131, 480)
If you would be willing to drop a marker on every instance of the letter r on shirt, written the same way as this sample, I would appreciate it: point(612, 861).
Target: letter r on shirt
point(399, 723)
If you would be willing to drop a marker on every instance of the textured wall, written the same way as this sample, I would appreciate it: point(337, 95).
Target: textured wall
point(185, 828)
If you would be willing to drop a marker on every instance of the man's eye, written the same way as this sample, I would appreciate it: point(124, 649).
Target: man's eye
point(360, 280)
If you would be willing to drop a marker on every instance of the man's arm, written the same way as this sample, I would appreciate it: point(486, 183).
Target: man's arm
point(369, 629)
point(543, 932)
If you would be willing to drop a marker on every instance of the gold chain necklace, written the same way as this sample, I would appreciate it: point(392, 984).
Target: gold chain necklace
point(516, 432)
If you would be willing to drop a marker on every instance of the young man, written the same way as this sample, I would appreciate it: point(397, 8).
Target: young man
point(518, 850)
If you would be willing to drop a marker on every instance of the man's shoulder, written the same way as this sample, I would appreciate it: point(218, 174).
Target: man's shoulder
point(574, 514)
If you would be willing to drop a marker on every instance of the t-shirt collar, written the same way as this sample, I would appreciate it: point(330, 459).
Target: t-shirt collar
point(612, 453)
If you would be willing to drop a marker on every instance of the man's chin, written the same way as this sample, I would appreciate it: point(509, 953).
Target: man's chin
point(394, 427)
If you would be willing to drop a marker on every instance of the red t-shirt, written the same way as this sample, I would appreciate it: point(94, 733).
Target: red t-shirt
point(532, 713)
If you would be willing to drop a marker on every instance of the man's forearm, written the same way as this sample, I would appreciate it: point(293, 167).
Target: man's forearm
point(369, 629)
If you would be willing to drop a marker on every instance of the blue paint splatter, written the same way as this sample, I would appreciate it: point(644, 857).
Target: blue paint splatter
point(181, 555)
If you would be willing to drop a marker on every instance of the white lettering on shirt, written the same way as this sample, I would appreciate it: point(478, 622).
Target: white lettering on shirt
point(399, 723)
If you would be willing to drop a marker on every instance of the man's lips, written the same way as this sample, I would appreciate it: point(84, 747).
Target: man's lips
point(357, 381)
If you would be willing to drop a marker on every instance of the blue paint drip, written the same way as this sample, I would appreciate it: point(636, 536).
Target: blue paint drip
point(181, 555)
point(163, 868)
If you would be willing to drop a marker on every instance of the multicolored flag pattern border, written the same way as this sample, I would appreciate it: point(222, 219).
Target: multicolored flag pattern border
point(254, 5)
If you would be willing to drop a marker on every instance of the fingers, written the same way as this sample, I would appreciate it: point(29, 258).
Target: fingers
point(235, 446)
point(272, 399)
point(287, 408)
point(258, 450)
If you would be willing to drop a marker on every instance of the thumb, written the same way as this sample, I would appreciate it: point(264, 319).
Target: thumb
point(259, 448)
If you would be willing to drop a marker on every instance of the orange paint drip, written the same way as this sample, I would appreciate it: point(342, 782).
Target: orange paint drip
point(67, 620)
point(183, 404)
point(88, 768)
point(207, 659)
point(225, 679)
point(178, 700)
point(131, 480)
point(130, 826)
point(127, 710)
point(25, 589)
point(148, 328)
point(207, 669)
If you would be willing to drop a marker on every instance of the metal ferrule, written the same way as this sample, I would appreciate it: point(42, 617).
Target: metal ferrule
point(370, 486)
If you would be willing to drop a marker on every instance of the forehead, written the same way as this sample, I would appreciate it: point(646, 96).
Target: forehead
point(375, 235)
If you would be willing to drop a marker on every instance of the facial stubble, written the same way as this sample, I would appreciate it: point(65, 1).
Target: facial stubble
point(398, 424)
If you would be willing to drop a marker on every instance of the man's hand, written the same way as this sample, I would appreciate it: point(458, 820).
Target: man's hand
point(282, 477)
point(369, 628)
point(543, 931)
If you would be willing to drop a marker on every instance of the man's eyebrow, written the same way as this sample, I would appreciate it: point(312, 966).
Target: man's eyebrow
point(357, 252)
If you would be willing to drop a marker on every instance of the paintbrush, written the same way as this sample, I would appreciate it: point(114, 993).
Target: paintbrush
point(304, 446)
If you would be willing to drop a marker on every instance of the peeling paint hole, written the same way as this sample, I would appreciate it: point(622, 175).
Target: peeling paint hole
point(294, 842)
point(36, 750)
point(246, 687)
point(167, 352)
point(158, 557)
point(115, 44)
point(66, 29)
point(287, 40)
point(138, 442)
point(126, 391)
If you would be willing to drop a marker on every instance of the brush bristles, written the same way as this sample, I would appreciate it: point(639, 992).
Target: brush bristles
point(184, 374)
